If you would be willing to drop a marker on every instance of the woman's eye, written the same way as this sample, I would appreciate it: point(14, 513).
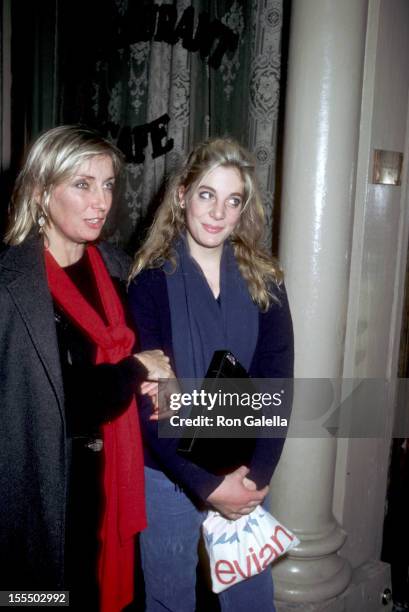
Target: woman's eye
point(205, 195)
point(82, 185)
point(109, 185)
point(234, 202)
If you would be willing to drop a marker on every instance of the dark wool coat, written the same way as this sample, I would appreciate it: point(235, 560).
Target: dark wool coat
point(34, 449)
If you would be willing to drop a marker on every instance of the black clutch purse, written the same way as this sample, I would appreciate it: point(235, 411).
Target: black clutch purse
point(216, 454)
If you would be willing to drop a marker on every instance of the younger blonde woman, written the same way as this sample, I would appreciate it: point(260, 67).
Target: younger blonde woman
point(203, 282)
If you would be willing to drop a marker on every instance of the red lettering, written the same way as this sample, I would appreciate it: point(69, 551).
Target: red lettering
point(219, 571)
point(240, 571)
point(275, 539)
point(254, 557)
point(271, 556)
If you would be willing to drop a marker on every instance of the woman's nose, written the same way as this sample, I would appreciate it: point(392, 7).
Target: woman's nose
point(100, 197)
point(217, 211)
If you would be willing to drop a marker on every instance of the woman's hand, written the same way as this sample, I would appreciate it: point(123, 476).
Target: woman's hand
point(236, 495)
point(157, 364)
point(161, 407)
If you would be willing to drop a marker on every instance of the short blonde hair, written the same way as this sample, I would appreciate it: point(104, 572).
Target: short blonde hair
point(52, 158)
point(258, 268)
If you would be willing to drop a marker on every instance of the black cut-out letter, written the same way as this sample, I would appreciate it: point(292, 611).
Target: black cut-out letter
point(140, 142)
point(140, 22)
point(228, 40)
point(199, 41)
point(166, 24)
point(184, 28)
point(158, 129)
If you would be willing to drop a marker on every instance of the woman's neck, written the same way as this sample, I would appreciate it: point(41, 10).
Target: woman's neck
point(204, 255)
point(67, 256)
point(209, 262)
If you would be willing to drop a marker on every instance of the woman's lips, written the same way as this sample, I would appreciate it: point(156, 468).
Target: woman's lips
point(212, 229)
point(95, 223)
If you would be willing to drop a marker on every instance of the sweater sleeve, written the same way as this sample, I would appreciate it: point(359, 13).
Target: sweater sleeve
point(273, 358)
point(149, 306)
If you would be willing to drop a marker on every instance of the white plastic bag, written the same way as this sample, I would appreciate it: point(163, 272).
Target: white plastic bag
point(240, 549)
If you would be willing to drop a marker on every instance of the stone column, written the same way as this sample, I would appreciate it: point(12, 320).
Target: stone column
point(327, 41)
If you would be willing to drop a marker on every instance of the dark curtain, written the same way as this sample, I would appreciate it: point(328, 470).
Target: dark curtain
point(156, 78)
point(34, 37)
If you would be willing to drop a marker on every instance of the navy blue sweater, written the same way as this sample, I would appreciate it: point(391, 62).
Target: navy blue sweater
point(273, 358)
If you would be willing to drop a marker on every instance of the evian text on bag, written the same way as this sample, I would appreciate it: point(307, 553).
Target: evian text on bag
point(227, 572)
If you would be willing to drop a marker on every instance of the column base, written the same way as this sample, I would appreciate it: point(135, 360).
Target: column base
point(364, 593)
point(298, 580)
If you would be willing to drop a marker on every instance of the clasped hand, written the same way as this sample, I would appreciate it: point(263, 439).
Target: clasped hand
point(236, 495)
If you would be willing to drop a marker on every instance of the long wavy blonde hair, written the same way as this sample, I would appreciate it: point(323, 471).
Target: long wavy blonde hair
point(261, 271)
point(52, 158)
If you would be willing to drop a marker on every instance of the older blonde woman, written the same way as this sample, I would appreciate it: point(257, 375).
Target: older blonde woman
point(71, 467)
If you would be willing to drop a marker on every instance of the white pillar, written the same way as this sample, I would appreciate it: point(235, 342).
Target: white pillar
point(327, 40)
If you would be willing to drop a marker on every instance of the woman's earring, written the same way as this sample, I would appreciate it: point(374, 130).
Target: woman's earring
point(182, 204)
point(41, 221)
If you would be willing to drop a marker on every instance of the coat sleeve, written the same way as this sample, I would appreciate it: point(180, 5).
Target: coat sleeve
point(273, 358)
point(95, 394)
point(149, 305)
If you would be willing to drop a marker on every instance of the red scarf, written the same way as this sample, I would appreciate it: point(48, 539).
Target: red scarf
point(124, 512)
